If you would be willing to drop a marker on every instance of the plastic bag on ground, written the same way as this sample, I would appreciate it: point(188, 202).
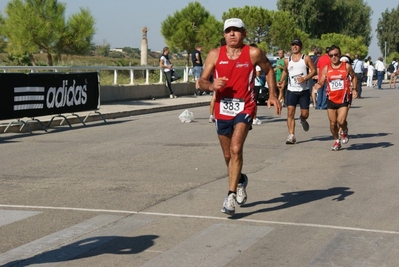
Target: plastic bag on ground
point(186, 116)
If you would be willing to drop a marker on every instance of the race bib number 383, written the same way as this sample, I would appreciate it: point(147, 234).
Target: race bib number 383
point(231, 106)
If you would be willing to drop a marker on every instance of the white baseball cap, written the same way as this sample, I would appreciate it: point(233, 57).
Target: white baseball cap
point(233, 22)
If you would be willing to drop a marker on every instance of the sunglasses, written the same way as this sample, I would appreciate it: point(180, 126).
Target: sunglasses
point(234, 29)
point(333, 55)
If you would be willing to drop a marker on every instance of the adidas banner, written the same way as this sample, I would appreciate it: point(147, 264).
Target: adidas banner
point(39, 94)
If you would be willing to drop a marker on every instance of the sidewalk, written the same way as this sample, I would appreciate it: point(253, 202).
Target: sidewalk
point(111, 110)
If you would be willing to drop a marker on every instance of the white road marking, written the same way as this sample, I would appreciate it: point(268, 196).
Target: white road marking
point(208, 217)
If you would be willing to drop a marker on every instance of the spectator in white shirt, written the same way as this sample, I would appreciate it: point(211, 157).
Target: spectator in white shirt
point(380, 67)
point(370, 74)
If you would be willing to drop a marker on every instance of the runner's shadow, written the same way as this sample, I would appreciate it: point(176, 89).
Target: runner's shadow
point(90, 247)
point(365, 146)
point(356, 136)
point(292, 199)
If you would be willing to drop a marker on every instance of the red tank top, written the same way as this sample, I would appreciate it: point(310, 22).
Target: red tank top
point(238, 95)
point(338, 89)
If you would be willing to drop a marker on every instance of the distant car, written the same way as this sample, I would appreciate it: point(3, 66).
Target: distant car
point(263, 95)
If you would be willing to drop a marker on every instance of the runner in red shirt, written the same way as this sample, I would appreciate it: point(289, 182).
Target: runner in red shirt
point(337, 77)
point(233, 66)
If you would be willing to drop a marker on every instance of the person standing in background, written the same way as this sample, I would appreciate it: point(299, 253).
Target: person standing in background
point(370, 74)
point(167, 66)
point(393, 75)
point(358, 67)
point(324, 60)
point(279, 70)
point(380, 67)
point(196, 59)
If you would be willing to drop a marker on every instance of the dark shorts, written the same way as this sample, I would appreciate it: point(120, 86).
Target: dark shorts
point(301, 98)
point(256, 90)
point(332, 105)
point(226, 127)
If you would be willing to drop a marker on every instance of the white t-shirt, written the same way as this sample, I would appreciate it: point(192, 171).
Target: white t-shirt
point(165, 62)
point(370, 70)
point(395, 65)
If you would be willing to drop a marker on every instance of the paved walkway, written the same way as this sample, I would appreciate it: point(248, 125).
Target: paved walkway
point(111, 110)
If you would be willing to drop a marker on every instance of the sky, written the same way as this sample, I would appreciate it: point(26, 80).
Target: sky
point(119, 22)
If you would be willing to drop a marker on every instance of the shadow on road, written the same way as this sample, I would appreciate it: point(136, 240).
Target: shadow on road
point(365, 146)
point(356, 136)
point(90, 247)
point(292, 199)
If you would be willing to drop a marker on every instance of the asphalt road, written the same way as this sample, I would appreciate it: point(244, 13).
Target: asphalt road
point(147, 190)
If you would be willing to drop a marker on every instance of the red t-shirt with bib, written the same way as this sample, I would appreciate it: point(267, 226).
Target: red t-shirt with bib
point(238, 95)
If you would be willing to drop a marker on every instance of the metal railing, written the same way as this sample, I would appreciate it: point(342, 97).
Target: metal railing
point(115, 69)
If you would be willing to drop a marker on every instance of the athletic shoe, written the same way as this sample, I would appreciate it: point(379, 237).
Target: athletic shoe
point(305, 124)
point(211, 119)
point(336, 146)
point(291, 139)
point(171, 95)
point(229, 204)
point(343, 136)
point(256, 121)
point(241, 193)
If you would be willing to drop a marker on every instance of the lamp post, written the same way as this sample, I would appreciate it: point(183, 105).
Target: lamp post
point(385, 60)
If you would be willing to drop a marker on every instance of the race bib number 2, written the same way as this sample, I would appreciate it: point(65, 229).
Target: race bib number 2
point(231, 106)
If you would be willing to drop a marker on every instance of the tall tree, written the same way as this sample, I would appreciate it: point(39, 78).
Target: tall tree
point(269, 29)
point(346, 43)
point(315, 17)
point(191, 26)
point(283, 30)
point(39, 25)
point(388, 31)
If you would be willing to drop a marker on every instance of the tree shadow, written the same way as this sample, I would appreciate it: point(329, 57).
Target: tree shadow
point(90, 247)
point(292, 199)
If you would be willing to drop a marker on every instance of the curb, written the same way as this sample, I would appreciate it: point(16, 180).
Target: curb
point(18, 126)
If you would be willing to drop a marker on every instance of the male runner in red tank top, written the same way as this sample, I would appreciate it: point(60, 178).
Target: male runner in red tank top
point(340, 88)
point(233, 66)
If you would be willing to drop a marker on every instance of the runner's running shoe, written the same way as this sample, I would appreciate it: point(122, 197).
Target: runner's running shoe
point(229, 204)
point(336, 146)
point(241, 193)
point(344, 136)
point(291, 140)
point(305, 124)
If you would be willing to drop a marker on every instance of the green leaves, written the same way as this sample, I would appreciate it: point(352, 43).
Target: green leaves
point(388, 31)
point(33, 26)
point(315, 17)
point(191, 26)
